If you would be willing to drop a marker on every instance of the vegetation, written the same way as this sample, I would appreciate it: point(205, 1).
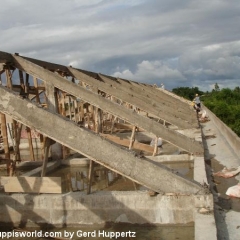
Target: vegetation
point(225, 103)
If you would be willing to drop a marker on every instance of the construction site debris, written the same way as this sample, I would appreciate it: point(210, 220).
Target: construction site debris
point(227, 173)
point(234, 191)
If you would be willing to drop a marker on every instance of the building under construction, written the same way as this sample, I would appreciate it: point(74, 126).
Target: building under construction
point(125, 132)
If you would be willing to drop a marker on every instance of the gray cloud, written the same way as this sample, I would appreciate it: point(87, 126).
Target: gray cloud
point(179, 43)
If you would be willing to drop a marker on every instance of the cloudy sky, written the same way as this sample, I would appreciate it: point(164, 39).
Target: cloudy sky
point(194, 43)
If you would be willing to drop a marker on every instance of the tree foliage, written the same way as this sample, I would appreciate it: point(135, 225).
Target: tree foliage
point(225, 103)
point(186, 92)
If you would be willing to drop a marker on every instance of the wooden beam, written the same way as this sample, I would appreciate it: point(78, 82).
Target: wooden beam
point(126, 142)
point(32, 184)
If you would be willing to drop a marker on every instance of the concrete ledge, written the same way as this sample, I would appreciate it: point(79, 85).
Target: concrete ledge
point(171, 158)
point(79, 208)
point(75, 161)
point(232, 138)
point(205, 226)
point(199, 170)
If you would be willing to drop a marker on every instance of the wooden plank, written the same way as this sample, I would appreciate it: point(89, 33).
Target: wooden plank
point(126, 143)
point(121, 126)
point(32, 184)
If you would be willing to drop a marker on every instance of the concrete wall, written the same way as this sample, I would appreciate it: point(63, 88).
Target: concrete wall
point(230, 136)
point(98, 208)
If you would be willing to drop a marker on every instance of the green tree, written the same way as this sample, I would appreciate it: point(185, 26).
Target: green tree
point(216, 87)
point(225, 103)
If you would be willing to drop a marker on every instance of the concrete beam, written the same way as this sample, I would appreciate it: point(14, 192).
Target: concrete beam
point(101, 207)
point(145, 104)
point(91, 145)
point(172, 158)
point(159, 96)
point(137, 95)
point(5, 57)
point(121, 112)
point(180, 110)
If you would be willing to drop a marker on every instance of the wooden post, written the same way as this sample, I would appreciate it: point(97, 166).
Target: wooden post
point(56, 100)
point(9, 78)
point(65, 150)
point(46, 153)
point(81, 111)
point(17, 136)
point(132, 139)
point(50, 95)
point(155, 146)
point(97, 120)
point(135, 185)
point(27, 85)
point(52, 103)
point(22, 91)
point(5, 136)
point(106, 174)
point(69, 108)
point(74, 110)
point(90, 176)
point(35, 82)
point(113, 122)
point(30, 143)
point(42, 146)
